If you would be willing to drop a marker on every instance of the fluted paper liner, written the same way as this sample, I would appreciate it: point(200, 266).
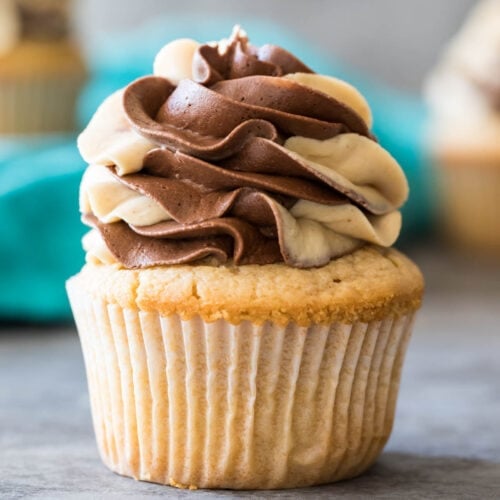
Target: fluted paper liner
point(38, 104)
point(216, 405)
point(471, 206)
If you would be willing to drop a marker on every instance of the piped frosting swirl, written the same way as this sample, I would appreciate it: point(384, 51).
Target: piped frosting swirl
point(235, 153)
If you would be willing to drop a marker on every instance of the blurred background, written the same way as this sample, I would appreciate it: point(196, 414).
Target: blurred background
point(396, 42)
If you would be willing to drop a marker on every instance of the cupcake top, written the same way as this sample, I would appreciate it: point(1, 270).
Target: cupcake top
point(32, 20)
point(235, 154)
point(463, 91)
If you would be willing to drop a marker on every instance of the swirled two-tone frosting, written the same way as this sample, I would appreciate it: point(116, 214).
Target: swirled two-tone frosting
point(233, 153)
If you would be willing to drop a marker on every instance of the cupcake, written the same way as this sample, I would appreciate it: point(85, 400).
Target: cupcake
point(242, 316)
point(463, 93)
point(41, 68)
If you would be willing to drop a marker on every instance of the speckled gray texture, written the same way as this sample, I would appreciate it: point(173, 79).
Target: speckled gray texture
point(445, 444)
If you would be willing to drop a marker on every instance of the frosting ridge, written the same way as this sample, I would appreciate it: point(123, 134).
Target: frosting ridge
point(244, 155)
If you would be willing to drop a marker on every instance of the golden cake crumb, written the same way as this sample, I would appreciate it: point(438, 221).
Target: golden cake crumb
point(369, 284)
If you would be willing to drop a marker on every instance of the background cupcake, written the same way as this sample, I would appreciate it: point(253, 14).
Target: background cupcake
point(41, 67)
point(463, 93)
point(242, 318)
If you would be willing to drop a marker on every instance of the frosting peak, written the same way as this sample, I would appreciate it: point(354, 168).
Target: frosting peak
point(236, 58)
point(236, 153)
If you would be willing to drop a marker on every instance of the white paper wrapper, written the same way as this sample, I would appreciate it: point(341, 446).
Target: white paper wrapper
point(38, 104)
point(470, 199)
point(216, 405)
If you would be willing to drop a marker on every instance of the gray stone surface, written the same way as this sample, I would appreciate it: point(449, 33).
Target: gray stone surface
point(445, 444)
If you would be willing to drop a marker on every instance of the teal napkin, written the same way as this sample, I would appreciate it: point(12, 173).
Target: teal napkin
point(40, 236)
point(39, 177)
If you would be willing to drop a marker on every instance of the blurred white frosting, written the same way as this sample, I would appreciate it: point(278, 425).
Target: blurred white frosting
point(462, 112)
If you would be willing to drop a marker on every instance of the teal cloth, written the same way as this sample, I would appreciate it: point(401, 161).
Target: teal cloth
point(39, 177)
point(40, 236)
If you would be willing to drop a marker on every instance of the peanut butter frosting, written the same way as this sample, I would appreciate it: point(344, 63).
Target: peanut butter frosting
point(239, 154)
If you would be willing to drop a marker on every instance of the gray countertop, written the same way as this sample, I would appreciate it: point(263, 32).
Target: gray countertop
point(445, 443)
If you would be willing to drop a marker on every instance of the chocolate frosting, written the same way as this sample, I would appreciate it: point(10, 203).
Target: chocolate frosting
point(242, 59)
point(43, 20)
point(490, 90)
point(219, 168)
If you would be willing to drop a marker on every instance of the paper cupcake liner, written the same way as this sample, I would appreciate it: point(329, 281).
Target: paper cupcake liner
point(471, 206)
point(216, 405)
point(38, 104)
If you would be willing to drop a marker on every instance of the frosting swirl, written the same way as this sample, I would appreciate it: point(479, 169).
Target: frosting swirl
point(240, 154)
